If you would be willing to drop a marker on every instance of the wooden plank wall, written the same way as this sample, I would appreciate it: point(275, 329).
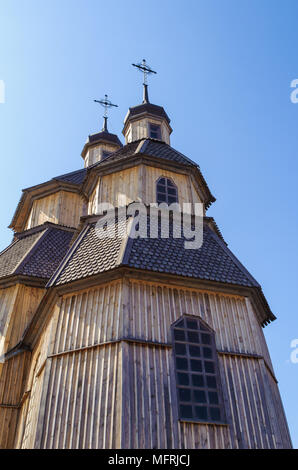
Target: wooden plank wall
point(12, 387)
point(138, 184)
point(119, 188)
point(110, 372)
point(17, 307)
point(62, 207)
point(139, 130)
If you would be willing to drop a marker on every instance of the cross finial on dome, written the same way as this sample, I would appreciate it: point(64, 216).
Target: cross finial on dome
point(106, 104)
point(146, 70)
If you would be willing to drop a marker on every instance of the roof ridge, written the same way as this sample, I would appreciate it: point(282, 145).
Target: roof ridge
point(68, 256)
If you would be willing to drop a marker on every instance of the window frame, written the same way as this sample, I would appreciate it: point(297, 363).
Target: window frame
point(167, 195)
point(199, 373)
point(158, 130)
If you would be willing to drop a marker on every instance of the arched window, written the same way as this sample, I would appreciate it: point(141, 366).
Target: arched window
point(166, 191)
point(197, 375)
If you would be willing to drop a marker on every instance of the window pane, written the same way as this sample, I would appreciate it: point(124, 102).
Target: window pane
point(203, 327)
point(197, 380)
point(165, 188)
point(181, 363)
point(200, 396)
point(186, 411)
point(180, 349)
point(184, 394)
point(195, 365)
point(201, 412)
point(213, 398)
point(172, 191)
point(172, 199)
point(206, 339)
point(161, 189)
point(179, 334)
point(209, 367)
point(193, 337)
point(183, 379)
point(194, 351)
point(161, 197)
point(192, 324)
point(215, 414)
point(207, 352)
point(211, 381)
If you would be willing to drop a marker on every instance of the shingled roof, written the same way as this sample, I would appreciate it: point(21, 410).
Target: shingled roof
point(147, 108)
point(150, 147)
point(75, 177)
point(213, 261)
point(36, 252)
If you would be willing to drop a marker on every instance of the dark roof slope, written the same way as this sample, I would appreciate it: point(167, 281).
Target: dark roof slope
point(11, 257)
point(44, 261)
point(151, 147)
point(104, 135)
point(75, 177)
point(90, 255)
point(213, 261)
point(147, 108)
point(36, 254)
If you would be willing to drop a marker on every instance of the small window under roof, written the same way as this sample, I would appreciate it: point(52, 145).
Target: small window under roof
point(154, 131)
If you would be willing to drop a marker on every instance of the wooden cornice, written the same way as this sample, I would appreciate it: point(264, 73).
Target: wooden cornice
point(30, 281)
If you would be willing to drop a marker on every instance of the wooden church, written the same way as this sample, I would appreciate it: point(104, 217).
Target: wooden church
point(129, 342)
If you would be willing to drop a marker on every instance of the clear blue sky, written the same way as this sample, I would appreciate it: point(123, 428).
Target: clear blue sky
point(224, 73)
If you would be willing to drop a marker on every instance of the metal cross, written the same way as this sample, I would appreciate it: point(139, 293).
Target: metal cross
point(106, 104)
point(145, 69)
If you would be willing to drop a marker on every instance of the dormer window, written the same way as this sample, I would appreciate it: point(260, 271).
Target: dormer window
point(154, 131)
point(166, 191)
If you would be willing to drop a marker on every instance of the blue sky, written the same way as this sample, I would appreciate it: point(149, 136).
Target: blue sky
point(224, 73)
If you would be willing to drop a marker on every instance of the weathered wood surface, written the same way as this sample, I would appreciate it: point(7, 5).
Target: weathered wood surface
point(138, 183)
point(109, 374)
point(62, 207)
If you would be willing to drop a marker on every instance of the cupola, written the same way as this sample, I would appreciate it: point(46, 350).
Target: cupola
point(100, 145)
point(146, 120)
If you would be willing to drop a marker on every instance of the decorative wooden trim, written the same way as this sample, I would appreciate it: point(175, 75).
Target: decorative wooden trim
point(239, 354)
point(114, 341)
